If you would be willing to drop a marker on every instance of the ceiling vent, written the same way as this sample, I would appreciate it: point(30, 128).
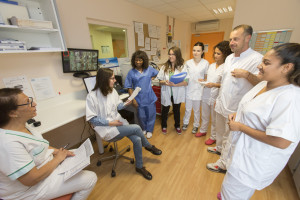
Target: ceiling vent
point(205, 26)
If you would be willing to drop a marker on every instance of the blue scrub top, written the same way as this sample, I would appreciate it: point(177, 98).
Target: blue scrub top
point(143, 80)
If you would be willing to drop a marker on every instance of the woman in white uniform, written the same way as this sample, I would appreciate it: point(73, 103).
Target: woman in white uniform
point(29, 166)
point(211, 91)
point(265, 130)
point(197, 70)
point(171, 93)
point(102, 105)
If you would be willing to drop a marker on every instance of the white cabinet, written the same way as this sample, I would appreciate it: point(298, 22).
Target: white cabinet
point(45, 39)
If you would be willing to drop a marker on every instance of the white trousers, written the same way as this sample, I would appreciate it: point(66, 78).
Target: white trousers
point(232, 189)
point(207, 112)
point(222, 143)
point(189, 105)
point(80, 184)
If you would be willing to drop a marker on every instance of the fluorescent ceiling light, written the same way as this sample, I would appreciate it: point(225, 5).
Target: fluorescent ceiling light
point(215, 11)
point(229, 8)
point(220, 10)
point(225, 9)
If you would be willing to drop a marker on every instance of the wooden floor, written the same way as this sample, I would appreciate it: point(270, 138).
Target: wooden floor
point(179, 173)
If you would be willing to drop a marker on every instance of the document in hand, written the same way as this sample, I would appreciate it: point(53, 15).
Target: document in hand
point(72, 165)
point(178, 78)
point(133, 95)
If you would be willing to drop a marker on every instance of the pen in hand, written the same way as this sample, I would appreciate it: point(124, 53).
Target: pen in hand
point(66, 146)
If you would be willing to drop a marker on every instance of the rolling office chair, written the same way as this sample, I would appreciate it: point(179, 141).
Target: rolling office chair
point(129, 116)
point(117, 154)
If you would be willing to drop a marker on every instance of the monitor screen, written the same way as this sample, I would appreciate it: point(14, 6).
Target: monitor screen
point(89, 83)
point(80, 60)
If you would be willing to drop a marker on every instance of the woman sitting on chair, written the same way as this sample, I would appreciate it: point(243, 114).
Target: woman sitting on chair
point(102, 105)
point(29, 166)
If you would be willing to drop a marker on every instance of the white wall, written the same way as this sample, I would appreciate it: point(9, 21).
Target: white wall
point(269, 15)
point(74, 16)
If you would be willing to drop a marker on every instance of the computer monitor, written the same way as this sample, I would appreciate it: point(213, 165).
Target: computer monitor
point(89, 83)
point(80, 61)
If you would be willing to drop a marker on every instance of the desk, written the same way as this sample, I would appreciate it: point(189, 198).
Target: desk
point(60, 110)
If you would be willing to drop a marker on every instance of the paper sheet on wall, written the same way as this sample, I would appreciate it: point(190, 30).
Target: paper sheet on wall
point(158, 31)
point(148, 54)
point(153, 51)
point(138, 27)
point(141, 39)
point(152, 31)
point(42, 88)
point(147, 44)
point(153, 43)
point(20, 82)
point(155, 59)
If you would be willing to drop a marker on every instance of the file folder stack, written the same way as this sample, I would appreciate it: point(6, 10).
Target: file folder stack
point(12, 45)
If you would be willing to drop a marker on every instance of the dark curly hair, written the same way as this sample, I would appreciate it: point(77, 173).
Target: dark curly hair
point(224, 48)
point(290, 53)
point(8, 103)
point(142, 55)
point(102, 81)
point(179, 60)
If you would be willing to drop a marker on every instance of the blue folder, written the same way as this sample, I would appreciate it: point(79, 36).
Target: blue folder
point(178, 78)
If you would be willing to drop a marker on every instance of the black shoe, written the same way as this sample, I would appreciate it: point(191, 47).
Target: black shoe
point(144, 172)
point(154, 150)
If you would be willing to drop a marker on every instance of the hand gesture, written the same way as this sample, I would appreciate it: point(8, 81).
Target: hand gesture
point(209, 85)
point(61, 154)
point(135, 104)
point(115, 123)
point(240, 73)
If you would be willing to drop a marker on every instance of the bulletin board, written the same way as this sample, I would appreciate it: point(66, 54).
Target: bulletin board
point(147, 38)
point(263, 41)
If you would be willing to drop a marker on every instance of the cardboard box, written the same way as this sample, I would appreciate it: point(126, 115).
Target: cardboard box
point(31, 23)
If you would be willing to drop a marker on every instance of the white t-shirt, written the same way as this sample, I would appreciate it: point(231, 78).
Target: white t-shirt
point(194, 89)
point(20, 152)
point(275, 112)
point(233, 89)
point(214, 75)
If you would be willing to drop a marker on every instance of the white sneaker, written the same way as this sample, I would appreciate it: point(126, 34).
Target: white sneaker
point(144, 132)
point(149, 135)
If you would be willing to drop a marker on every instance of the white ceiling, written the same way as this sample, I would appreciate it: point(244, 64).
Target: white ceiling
point(188, 10)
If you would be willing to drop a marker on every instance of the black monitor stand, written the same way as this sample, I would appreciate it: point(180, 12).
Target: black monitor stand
point(81, 74)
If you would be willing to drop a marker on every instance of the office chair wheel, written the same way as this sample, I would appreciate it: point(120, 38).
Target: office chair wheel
point(113, 173)
point(99, 163)
point(128, 149)
point(111, 149)
point(132, 161)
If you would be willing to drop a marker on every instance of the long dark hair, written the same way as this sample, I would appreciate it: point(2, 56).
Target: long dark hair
point(179, 60)
point(224, 48)
point(142, 55)
point(290, 53)
point(200, 44)
point(102, 81)
point(8, 103)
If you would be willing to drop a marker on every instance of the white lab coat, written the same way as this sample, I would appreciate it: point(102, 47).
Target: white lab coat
point(214, 75)
point(106, 108)
point(178, 92)
point(20, 153)
point(275, 112)
point(196, 71)
point(233, 89)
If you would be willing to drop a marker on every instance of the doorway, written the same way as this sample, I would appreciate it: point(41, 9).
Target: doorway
point(209, 40)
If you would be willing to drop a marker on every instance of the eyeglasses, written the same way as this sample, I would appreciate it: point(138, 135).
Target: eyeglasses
point(171, 54)
point(29, 102)
point(112, 78)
